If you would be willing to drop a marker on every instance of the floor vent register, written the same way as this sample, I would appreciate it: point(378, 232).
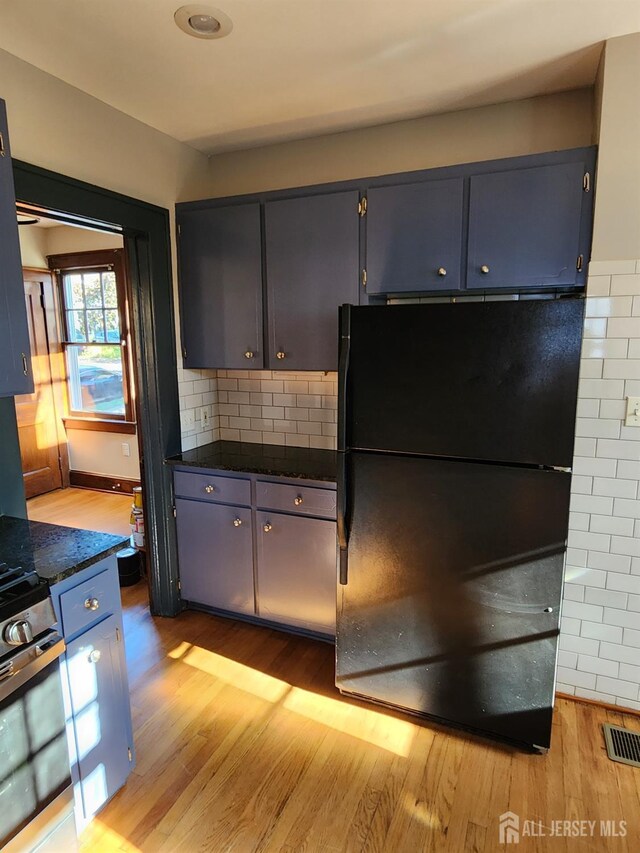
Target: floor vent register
point(622, 744)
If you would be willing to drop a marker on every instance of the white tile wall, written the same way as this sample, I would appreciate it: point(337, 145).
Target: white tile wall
point(600, 637)
point(264, 406)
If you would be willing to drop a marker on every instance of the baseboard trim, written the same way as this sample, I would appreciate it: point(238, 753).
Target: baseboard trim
point(619, 709)
point(101, 483)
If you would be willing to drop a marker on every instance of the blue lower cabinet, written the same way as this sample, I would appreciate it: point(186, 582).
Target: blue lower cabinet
point(296, 577)
point(98, 700)
point(95, 685)
point(215, 551)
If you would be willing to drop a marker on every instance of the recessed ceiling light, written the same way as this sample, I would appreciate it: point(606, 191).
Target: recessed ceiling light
point(203, 22)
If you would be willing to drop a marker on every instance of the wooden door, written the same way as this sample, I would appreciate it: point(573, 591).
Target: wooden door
point(221, 287)
point(42, 455)
point(312, 269)
point(414, 237)
point(524, 228)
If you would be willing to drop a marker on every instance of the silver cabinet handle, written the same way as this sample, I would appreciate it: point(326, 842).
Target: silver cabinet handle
point(208, 489)
point(92, 604)
point(25, 364)
point(280, 355)
point(298, 501)
point(2, 148)
point(249, 354)
point(484, 269)
point(442, 271)
point(237, 522)
point(267, 527)
point(94, 656)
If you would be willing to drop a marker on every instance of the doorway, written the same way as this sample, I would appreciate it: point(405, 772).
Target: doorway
point(145, 231)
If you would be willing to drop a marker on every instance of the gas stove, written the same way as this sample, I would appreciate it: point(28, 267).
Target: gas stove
point(26, 610)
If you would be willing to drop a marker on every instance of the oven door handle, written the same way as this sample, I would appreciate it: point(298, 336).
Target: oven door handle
point(29, 662)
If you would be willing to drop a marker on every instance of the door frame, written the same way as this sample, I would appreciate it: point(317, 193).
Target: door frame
point(36, 275)
point(146, 233)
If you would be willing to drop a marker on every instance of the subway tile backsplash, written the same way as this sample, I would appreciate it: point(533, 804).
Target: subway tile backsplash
point(263, 406)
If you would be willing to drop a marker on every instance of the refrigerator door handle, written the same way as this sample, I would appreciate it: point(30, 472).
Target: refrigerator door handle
point(343, 534)
point(343, 372)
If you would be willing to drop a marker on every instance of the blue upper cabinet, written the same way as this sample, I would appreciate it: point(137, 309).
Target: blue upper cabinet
point(312, 263)
point(15, 363)
point(221, 286)
point(414, 236)
point(525, 228)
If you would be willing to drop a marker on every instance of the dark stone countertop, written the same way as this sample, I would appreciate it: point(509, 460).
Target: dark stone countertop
point(269, 459)
point(55, 552)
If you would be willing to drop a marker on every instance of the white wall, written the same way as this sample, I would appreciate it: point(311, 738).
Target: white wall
point(600, 640)
point(33, 246)
point(531, 126)
point(67, 238)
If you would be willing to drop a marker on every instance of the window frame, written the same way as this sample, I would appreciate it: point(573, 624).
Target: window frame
point(97, 261)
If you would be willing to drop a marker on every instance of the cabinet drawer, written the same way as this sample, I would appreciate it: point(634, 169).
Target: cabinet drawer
point(205, 487)
point(303, 500)
point(89, 602)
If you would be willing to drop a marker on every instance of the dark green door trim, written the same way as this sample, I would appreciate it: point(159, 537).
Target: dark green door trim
point(145, 228)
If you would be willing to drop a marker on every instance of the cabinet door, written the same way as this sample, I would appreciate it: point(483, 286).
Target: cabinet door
point(215, 554)
point(296, 580)
point(15, 370)
point(312, 268)
point(100, 706)
point(221, 287)
point(414, 237)
point(524, 227)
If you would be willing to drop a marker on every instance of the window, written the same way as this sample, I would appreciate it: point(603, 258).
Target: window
point(96, 335)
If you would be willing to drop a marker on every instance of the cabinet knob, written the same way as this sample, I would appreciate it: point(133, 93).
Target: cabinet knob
point(248, 354)
point(267, 527)
point(208, 489)
point(280, 355)
point(442, 271)
point(94, 656)
point(484, 269)
point(92, 604)
point(298, 501)
point(237, 522)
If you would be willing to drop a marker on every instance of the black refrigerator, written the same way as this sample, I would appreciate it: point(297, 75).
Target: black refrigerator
point(455, 439)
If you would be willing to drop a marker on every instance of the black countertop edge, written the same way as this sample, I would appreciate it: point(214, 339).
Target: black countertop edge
point(269, 459)
point(55, 552)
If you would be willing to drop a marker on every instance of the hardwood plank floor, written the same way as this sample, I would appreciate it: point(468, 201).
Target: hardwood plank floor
point(243, 744)
point(83, 508)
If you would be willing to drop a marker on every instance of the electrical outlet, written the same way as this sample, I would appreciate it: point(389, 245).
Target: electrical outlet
point(187, 419)
point(126, 448)
point(205, 417)
point(632, 417)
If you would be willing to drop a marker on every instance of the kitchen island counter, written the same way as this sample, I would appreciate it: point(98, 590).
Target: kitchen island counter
point(55, 552)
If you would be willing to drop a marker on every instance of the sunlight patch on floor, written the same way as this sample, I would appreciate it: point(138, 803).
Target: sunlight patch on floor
point(371, 726)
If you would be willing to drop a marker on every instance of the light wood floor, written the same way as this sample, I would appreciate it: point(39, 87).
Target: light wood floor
point(83, 508)
point(243, 744)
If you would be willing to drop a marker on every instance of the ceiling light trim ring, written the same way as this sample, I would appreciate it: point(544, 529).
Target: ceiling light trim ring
point(195, 20)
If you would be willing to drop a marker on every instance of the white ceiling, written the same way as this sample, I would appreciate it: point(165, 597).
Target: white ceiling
point(295, 68)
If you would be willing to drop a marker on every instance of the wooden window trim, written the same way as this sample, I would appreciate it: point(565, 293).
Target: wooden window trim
point(101, 425)
point(63, 264)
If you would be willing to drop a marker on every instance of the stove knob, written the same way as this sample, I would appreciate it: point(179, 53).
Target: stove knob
point(18, 633)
